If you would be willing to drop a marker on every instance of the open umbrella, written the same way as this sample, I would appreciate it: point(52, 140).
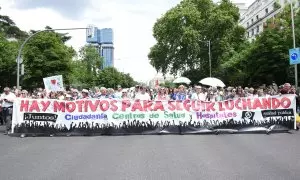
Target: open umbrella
point(210, 81)
point(182, 80)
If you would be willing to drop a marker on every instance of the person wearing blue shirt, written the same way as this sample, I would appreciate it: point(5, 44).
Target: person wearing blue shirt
point(181, 95)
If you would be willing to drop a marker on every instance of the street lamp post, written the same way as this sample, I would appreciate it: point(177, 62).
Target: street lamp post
point(294, 43)
point(26, 40)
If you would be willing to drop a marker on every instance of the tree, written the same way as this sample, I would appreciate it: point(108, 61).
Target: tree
point(92, 59)
point(168, 84)
point(9, 28)
point(46, 55)
point(8, 54)
point(85, 69)
point(266, 58)
point(63, 36)
point(111, 77)
point(183, 31)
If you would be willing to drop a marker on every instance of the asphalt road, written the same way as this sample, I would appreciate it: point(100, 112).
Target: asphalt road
point(237, 156)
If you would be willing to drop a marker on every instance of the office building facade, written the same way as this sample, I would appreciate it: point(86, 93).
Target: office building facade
point(103, 40)
point(255, 17)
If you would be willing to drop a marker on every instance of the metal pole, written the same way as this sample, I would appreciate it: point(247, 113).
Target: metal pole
point(23, 44)
point(294, 44)
point(209, 57)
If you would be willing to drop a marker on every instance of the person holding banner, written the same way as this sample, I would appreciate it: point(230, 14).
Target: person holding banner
point(143, 95)
point(7, 99)
point(162, 95)
point(199, 94)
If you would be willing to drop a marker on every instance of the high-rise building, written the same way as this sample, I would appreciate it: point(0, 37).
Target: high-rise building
point(107, 52)
point(103, 40)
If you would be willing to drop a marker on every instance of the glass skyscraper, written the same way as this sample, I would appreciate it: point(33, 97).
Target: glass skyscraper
point(107, 52)
point(103, 39)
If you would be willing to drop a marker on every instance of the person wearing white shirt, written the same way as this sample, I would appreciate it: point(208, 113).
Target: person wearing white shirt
point(143, 95)
point(7, 99)
point(199, 94)
point(118, 94)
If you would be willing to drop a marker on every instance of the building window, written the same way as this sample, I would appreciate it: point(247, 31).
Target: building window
point(267, 11)
point(257, 29)
point(248, 34)
point(256, 17)
point(247, 24)
point(251, 21)
point(252, 32)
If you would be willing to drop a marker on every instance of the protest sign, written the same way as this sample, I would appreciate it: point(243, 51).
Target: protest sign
point(114, 116)
point(54, 83)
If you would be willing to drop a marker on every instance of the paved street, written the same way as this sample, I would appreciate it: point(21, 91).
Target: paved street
point(244, 156)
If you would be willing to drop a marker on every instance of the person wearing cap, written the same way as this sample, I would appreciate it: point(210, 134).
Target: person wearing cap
point(85, 94)
point(68, 97)
point(7, 99)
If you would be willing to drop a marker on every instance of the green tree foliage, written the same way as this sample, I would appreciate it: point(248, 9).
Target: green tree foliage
point(8, 50)
point(85, 69)
point(9, 28)
point(168, 84)
point(90, 56)
point(46, 55)
point(265, 59)
point(183, 31)
point(111, 77)
point(8, 54)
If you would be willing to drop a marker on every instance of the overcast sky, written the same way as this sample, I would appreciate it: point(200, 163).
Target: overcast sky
point(131, 20)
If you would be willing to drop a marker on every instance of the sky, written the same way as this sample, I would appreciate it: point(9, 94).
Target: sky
point(131, 20)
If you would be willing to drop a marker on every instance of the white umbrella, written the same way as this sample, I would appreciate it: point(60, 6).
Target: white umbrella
point(182, 80)
point(210, 81)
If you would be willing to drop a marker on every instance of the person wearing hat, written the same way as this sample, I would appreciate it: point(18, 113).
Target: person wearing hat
point(85, 94)
point(68, 97)
point(7, 99)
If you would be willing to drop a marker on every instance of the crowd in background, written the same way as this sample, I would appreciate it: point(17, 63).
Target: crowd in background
point(141, 92)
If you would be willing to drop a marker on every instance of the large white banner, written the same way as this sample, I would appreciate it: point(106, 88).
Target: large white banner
point(104, 111)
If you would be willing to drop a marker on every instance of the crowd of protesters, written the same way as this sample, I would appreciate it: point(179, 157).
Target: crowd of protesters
point(141, 92)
